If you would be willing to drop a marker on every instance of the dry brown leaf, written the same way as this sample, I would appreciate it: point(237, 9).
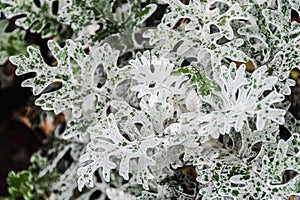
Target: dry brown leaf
point(249, 65)
point(47, 128)
point(190, 171)
point(295, 74)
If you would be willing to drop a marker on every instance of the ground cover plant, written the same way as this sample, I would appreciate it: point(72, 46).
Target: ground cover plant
point(170, 99)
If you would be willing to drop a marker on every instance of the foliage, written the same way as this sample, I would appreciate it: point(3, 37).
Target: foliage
point(11, 43)
point(38, 17)
point(99, 19)
point(190, 101)
point(19, 184)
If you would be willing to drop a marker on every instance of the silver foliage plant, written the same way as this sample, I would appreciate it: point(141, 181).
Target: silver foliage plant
point(188, 101)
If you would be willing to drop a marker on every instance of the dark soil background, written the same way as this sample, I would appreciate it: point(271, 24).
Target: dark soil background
point(17, 139)
point(21, 132)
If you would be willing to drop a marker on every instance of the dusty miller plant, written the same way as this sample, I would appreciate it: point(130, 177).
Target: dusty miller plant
point(203, 90)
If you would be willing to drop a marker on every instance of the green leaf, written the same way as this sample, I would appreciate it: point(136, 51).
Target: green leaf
point(11, 43)
point(20, 184)
point(198, 78)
